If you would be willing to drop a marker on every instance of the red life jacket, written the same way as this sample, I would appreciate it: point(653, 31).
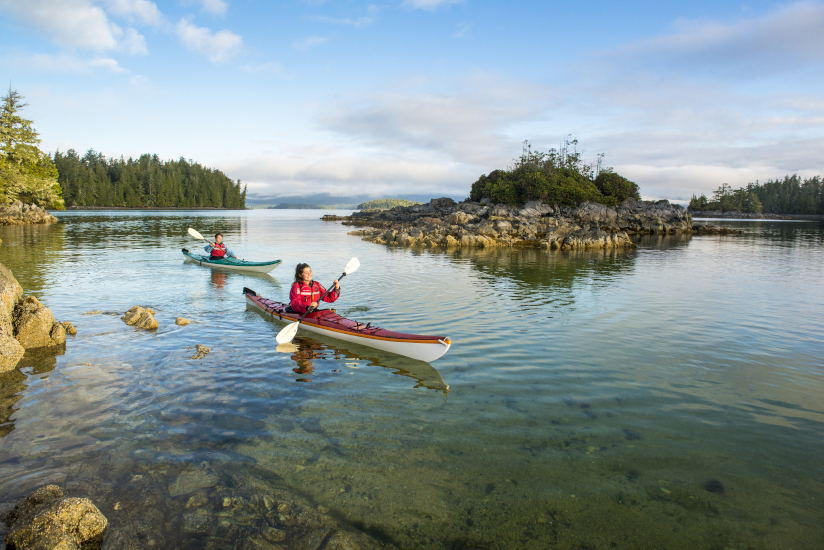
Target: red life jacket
point(218, 250)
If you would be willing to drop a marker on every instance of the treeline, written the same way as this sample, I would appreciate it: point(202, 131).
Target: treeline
point(302, 206)
point(555, 177)
point(385, 204)
point(791, 195)
point(94, 180)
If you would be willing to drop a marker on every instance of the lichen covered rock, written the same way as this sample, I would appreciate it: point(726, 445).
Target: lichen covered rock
point(140, 317)
point(182, 321)
point(18, 213)
point(47, 519)
point(34, 325)
point(201, 352)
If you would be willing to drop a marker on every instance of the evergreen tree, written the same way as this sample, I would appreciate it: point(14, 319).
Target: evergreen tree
point(26, 173)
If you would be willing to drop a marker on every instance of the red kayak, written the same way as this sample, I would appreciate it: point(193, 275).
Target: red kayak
point(326, 321)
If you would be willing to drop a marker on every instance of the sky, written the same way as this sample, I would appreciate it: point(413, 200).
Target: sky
point(421, 97)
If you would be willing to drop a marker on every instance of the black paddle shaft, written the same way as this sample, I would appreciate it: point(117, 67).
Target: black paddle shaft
point(310, 309)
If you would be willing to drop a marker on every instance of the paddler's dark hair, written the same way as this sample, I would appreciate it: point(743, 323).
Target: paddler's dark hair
point(299, 271)
point(218, 235)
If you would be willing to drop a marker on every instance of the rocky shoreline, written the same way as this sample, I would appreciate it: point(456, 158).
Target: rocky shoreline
point(445, 223)
point(25, 323)
point(739, 215)
point(18, 213)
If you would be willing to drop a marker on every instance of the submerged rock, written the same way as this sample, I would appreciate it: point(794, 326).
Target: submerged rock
point(182, 321)
point(69, 328)
point(140, 318)
point(47, 519)
point(190, 481)
point(201, 352)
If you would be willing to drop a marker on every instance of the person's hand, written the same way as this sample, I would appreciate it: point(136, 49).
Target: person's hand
point(313, 304)
point(337, 285)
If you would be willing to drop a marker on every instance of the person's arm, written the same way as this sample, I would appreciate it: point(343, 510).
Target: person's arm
point(230, 254)
point(208, 247)
point(295, 301)
point(334, 295)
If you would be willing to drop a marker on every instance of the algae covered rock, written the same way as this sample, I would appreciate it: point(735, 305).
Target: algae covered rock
point(140, 317)
point(34, 325)
point(69, 328)
point(182, 321)
point(48, 519)
point(201, 352)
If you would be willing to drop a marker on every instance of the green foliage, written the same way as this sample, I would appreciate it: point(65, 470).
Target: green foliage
point(555, 177)
point(792, 195)
point(613, 185)
point(385, 204)
point(94, 180)
point(26, 173)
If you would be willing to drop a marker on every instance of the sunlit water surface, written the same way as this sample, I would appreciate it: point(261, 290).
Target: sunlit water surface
point(671, 396)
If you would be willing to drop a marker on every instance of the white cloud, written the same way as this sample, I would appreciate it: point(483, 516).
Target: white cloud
point(429, 5)
point(215, 7)
point(218, 46)
point(371, 10)
point(133, 43)
point(309, 42)
point(62, 63)
point(141, 10)
point(781, 40)
point(81, 24)
point(73, 23)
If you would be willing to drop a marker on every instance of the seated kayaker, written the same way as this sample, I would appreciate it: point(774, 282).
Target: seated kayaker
point(217, 250)
point(305, 292)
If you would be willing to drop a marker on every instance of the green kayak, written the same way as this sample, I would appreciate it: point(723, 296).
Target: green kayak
point(232, 263)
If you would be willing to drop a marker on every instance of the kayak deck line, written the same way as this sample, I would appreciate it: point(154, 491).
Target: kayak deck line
point(418, 346)
point(232, 263)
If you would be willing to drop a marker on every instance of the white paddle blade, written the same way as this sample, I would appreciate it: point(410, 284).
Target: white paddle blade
point(352, 266)
point(287, 333)
point(195, 234)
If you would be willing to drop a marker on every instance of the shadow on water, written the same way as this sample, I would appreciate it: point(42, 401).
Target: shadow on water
point(31, 251)
point(306, 351)
point(13, 383)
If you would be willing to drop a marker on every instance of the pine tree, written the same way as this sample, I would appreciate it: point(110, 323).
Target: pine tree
point(26, 173)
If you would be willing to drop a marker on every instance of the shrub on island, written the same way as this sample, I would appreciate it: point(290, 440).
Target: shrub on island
point(554, 178)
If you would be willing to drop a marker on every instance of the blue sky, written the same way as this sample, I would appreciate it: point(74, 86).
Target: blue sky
point(423, 96)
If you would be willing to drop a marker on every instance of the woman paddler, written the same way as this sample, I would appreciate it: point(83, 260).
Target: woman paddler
point(217, 250)
point(305, 292)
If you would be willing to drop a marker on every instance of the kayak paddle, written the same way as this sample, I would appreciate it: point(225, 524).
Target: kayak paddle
point(288, 332)
point(196, 235)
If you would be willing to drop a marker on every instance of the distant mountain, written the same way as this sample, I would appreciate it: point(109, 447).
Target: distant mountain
point(327, 199)
point(293, 206)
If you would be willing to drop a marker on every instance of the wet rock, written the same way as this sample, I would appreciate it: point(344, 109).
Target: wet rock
point(140, 318)
point(199, 522)
point(69, 328)
point(47, 519)
point(714, 486)
point(201, 352)
point(190, 481)
point(95, 312)
point(34, 325)
point(18, 213)
point(182, 321)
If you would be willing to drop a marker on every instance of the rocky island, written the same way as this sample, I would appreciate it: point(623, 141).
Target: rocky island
point(18, 213)
point(445, 223)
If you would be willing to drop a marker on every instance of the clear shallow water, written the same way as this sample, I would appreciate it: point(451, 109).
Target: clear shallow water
point(595, 400)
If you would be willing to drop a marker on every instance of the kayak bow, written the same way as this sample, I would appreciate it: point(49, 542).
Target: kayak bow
point(327, 322)
point(232, 263)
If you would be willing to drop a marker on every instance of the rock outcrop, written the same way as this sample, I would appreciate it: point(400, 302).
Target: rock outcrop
point(444, 223)
point(18, 213)
point(140, 317)
point(47, 519)
point(200, 352)
point(25, 323)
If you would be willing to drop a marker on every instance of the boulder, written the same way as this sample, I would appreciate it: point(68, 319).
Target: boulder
point(140, 318)
point(69, 328)
point(18, 213)
point(10, 293)
point(182, 321)
point(34, 325)
point(444, 202)
point(459, 218)
point(47, 519)
point(200, 352)
point(10, 352)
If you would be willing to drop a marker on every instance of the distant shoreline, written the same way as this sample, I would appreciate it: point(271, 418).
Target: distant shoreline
point(150, 208)
point(753, 216)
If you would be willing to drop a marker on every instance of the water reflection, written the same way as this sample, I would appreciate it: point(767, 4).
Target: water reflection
point(306, 351)
point(31, 252)
point(13, 383)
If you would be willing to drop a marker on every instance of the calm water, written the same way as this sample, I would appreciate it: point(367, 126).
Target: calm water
point(665, 397)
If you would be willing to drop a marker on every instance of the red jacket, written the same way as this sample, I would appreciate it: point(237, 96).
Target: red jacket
point(302, 295)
